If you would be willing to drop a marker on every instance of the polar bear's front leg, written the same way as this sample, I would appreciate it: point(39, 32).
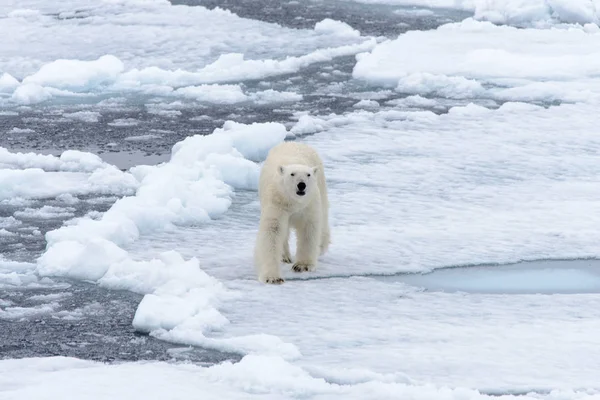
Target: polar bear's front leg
point(269, 247)
point(287, 255)
point(309, 236)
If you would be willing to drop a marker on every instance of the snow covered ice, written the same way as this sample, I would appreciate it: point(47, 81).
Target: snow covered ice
point(472, 145)
point(37, 65)
point(518, 12)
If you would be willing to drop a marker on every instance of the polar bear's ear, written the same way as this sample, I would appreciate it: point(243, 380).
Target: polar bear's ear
point(315, 170)
point(281, 169)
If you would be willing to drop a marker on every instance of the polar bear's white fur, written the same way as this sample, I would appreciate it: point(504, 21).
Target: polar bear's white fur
point(293, 194)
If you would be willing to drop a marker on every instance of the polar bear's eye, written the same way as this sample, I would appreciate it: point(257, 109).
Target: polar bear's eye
point(292, 174)
point(308, 175)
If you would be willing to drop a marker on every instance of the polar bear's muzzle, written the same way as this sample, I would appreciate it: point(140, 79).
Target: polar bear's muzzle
point(301, 187)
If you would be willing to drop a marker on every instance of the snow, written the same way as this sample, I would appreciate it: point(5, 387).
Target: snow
point(192, 188)
point(94, 309)
point(67, 198)
point(254, 377)
point(50, 297)
point(103, 75)
point(486, 186)
point(7, 222)
point(492, 343)
point(30, 175)
point(414, 101)
point(124, 122)
point(332, 27)
point(366, 104)
point(18, 313)
point(458, 4)
point(235, 66)
point(41, 184)
point(30, 94)
point(141, 138)
point(273, 96)
point(477, 59)
point(69, 160)
point(525, 12)
point(8, 83)
point(218, 94)
point(48, 55)
point(21, 130)
point(84, 116)
point(541, 13)
point(77, 75)
point(15, 274)
point(165, 113)
point(477, 180)
point(4, 232)
point(46, 212)
point(504, 171)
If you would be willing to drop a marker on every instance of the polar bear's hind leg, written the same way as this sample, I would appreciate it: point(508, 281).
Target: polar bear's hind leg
point(287, 255)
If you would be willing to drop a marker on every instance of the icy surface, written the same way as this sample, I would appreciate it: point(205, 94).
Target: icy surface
point(21, 274)
point(483, 186)
point(509, 184)
point(30, 175)
point(132, 60)
point(513, 12)
point(461, 4)
point(193, 187)
point(538, 12)
point(254, 377)
point(547, 277)
point(477, 59)
point(473, 144)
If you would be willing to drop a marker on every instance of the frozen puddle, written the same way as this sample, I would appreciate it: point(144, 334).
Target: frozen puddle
point(546, 277)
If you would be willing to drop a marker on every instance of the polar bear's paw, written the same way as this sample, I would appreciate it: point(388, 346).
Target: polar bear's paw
point(286, 259)
point(273, 280)
point(303, 267)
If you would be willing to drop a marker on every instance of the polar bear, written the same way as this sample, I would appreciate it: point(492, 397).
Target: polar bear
point(293, 194)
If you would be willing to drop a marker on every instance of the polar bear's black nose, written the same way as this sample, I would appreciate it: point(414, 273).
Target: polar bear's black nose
point(301, 186)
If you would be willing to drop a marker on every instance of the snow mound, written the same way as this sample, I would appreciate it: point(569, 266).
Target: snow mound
point(478, 59)
point(30, 94)
point(218, 94)
point(8, 83)
point(195, 186)
point(74, 172)
point(76, 75)
point(538, 12)
point(331, 27)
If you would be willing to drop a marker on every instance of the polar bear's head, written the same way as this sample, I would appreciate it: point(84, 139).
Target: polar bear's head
point(298, 181)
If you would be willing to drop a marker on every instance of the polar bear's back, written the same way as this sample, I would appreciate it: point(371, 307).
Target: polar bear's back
point(287, 153)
